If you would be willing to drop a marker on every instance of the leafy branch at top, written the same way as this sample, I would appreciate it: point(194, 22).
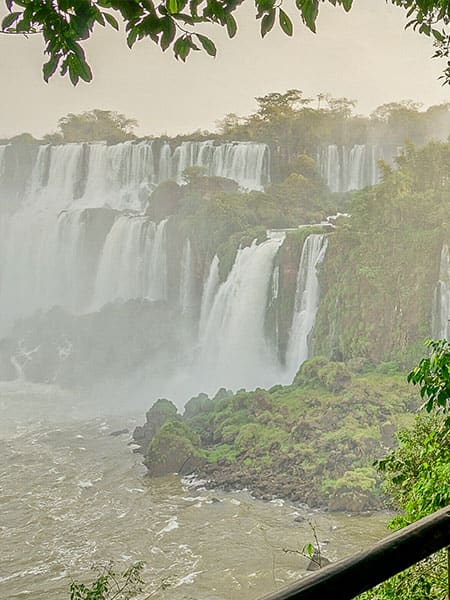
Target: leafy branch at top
point(65, 24)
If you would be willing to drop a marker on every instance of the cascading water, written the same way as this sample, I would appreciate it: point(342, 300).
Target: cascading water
point(49, 260)
point(347, 168)
point(133, 262)
point(245, 162)
point(122, 175)
point(75, 236)
point(306, 301)
point(209, 290)
point(441, 304)
point(233, 349)
point(70, 241)
point(187, 282)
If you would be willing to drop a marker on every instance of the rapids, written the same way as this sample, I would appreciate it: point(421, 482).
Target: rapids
point(73, 496)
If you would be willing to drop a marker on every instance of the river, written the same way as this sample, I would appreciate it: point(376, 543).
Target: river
point(72, 496)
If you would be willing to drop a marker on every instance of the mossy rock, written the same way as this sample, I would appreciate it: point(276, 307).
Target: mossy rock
point(334, 376)
point(175, 449)
point(163, 410)
point(355, 491)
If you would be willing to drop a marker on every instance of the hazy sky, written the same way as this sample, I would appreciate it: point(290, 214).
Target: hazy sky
point(365, 55)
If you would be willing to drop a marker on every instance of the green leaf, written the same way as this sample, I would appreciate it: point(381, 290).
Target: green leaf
point(10, 19)
point(181, 48)
point(132, 37)
point(84, 71)
point(50, 67)
point(285, 23)
point(347, 4)
point(267, 22)
point(169, 30)
point(231, 26)
point(172, 6)
point(310, 11)
point(207, 44)
point(438, 35)
point(73, 73)
point(111, 20)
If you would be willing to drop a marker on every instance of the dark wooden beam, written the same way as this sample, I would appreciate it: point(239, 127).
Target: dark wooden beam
point(361, 572)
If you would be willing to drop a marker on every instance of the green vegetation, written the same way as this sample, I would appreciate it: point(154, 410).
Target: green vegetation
point(313, 441)
point(218, 218)
point(172, 446)
point(296, 126)
point(93, 125)
point(382, 264)
point(417, 476)
point(177, 24)
point(110, 584)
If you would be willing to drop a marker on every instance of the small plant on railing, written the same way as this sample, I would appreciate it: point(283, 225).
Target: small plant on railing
point(312, 551)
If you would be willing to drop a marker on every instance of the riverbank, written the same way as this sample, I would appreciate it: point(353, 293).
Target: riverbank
point(312, 442)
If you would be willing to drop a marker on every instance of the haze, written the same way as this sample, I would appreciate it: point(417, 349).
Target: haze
point(365, 55)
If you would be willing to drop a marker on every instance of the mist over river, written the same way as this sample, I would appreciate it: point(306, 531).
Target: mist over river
point(72, 495)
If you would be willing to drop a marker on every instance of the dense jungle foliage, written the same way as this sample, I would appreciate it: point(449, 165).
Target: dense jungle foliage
point(417, 475)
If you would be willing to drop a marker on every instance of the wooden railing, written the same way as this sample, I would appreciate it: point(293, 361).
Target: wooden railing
point(347, 578)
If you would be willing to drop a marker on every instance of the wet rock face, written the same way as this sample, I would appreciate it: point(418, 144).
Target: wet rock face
point(160, 413)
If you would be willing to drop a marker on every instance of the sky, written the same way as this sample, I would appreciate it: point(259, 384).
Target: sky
point(365, 55)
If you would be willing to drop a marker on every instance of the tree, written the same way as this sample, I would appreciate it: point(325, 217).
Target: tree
point(94, 125)
point(176, 24)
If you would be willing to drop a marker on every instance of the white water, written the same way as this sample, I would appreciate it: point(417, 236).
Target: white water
point(306, 301)
point(61, 247)
point(133, 262)
point(187, 282)
point(209, 291)
point(441, 304)
point(233, 349)
point(122, 175)
point(347, 168)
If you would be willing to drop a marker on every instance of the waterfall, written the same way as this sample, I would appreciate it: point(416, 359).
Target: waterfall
point(121, 176)
point(48, 260)
point(245, 162)
point(306, 301)
point(330, 166)
point(441, 304)
point(187, 282)
point(74, 235)
point(347, 168)
point(40, 264)
point(233, 351)
point(209, 290)
point(132, 262)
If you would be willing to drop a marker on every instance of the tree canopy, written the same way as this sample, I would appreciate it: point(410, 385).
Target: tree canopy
point(94, 125)
point(177, 24)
